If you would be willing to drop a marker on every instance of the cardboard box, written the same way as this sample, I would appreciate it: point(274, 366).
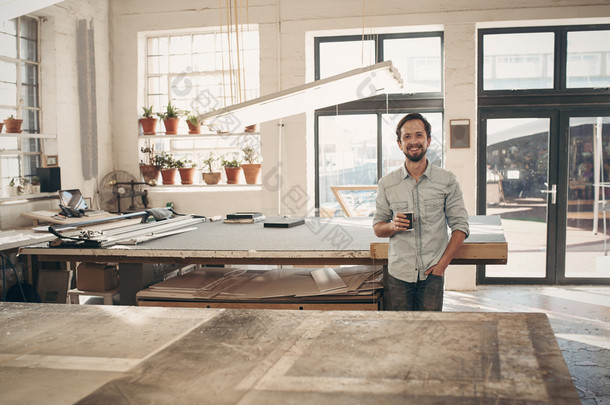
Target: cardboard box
point(96, 276)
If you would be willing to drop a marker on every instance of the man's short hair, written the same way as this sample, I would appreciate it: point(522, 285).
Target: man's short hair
point(413, 116)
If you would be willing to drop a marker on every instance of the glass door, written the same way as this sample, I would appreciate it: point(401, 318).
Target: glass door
point(587, 242)
point(518, 189)
point(548, 178)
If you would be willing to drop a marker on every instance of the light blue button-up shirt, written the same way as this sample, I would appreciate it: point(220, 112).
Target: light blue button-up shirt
point(436, 202)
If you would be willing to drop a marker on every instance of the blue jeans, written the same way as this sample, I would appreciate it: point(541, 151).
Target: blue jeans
point(424, 295)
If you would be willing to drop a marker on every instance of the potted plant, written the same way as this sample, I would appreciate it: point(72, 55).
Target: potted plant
point(148, 122)
point(171, 118)
point(149, 166)
point(168, 167)
point(252, 167)
point(12, 125)
point(17, 186)
point(212, 176)
point(192, 120)
point(13, 186)
point(186, 168)
point(35, 184)
point(232, 170)
point(251, 128)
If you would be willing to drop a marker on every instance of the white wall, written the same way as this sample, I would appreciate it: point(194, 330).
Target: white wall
point(59, 91)
point(285, 29)
point(60, 98)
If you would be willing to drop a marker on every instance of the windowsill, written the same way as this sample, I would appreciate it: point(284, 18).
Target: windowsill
point(189, 188)
point(25, 198)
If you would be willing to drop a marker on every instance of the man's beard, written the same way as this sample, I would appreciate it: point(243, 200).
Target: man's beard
point(416, 158)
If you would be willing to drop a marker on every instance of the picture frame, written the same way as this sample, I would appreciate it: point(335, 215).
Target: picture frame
point(50, 161)
point(364, 194)
point(459, 133)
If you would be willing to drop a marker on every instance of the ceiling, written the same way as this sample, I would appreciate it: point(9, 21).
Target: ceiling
point(10, 9)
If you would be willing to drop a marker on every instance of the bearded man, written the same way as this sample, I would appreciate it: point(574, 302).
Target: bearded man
point(415, 204)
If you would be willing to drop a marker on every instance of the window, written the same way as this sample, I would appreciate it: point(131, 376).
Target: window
point(355, 142)
point(544, 58)
point(518, 61)
point(19, 97)
point(198, 72)
point(588, 59)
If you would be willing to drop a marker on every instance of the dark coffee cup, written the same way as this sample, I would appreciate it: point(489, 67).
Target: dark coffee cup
point(409, 216)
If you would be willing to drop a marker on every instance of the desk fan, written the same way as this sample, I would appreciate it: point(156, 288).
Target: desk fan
point(120, 192)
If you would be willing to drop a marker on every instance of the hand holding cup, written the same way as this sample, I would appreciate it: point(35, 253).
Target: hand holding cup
point(403, 221)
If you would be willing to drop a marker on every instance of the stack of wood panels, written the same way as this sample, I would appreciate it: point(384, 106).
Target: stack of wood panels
point(354, 287)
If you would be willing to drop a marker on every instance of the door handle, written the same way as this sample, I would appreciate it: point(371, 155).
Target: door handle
point(552, 191)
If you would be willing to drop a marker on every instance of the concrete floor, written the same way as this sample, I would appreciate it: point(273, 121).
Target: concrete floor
point(579, 316)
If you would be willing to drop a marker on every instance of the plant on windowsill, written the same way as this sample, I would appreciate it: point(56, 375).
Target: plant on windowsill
point(35, 182)
point(187, 170)
point(12, 125)
point(252, 167)
point(148, 122)
point(13, 186)
point(212, 176)
point(171, 119)
point(232, 170)
point(17, 186)
point(149, 167)
point(192, 120)
point(168, 167)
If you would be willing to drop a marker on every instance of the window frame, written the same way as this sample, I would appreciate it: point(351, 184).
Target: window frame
point(19, 108)
point(424, 102)
point(490, 97)
point(170, 143)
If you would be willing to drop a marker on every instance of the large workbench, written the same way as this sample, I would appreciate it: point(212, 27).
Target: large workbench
point(320, 241)
point(59, 354)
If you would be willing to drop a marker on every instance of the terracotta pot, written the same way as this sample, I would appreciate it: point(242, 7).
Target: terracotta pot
point(149, 172)
point(252, 172)
point(13, 126)
point(211, 178)
point(169, 176)
point(251, 128)
point(193, 129)
point(171, 125)
point(232, 174)
point(1, 125)
point(187, 174)
point(149, 126)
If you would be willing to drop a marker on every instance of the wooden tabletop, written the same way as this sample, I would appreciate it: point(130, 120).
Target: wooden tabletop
point(115, 354)
point(318, 241)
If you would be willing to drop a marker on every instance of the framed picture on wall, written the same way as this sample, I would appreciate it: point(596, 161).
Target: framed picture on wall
point(460, 133)
point(50, 161)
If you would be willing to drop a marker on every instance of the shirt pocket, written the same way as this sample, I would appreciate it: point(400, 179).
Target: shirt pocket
point(434, 209)
point(400, 206)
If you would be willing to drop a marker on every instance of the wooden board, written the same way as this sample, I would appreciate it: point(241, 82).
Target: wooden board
point(213, 356)
point(488, 253)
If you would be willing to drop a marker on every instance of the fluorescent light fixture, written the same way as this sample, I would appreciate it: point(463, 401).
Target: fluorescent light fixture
point(355, 84)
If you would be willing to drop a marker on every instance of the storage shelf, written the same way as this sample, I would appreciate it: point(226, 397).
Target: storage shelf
point(28, 135)
point(195, 136)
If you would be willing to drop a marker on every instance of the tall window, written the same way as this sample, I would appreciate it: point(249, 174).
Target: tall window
point(199, 72)
point(355, 142)
point(19, 97)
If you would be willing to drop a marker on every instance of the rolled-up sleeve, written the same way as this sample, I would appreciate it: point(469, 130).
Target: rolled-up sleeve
point(382, 206)
point(455, 209)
